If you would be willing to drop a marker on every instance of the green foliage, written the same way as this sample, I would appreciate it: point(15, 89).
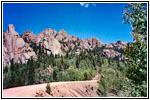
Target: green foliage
point(77, 61)
point(102, 87)
point(137, 61)
point(136, 14)
point(136, 52)
point(63, 76)
point(55, 72)
point(5, 69)
point(62, 61)
point(48, 88)
point(67, 64)
point(111, 81)
point(86, 76)
point(64, 69)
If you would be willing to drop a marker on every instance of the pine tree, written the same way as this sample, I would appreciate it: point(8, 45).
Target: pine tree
point(77, 61)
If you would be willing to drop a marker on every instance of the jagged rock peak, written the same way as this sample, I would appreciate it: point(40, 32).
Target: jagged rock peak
point(47, 39)
point(114, 50)
point(11, 28)
point(93, 42)
point(47, 32)
point(62, 32)
point(28, 36)
point(15, 47)
point(50, 31)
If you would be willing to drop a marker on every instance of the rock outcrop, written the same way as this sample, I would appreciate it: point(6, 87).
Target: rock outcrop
point(110, 53)
point(66, 41)
point(28, 36)
point(119, 45)
point(71, 43)
point(48, 42)
point(114, 50)
point(14, 47)
point(93, 42)
point(61, 35)
point(58, 43)
point(55, 43)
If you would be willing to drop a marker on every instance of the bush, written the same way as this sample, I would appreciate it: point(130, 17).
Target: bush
point(102, 87)
point(5, 69)
point(67, 64)
point(74, 74)
point(112, 81)
point(48, 88)
point(86, 76)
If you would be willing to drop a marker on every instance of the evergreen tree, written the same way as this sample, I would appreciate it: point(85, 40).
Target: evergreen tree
point(62, 60)
point(99, 60)
point(77, 61)
point(31, 71)
point(67, 54)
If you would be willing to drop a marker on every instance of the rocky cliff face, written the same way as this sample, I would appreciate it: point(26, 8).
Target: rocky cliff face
point(71, 43)
point(28, 36)
point(114, 50)
point(48, 41)
point(57, 43)
point(14, 47)
point(66, 41)
point(93, 42)
point(17, 48)
point(61, 35)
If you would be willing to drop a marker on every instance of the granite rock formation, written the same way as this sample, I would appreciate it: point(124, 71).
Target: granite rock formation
point(28, 36)
point(48, 41)
point(14, 47)
point(56, 43)
point(114, 50)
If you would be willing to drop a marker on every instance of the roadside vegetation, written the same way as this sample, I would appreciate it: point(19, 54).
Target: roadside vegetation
point(136, 52)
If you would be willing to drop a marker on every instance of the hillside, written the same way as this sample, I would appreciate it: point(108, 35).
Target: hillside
point(56, 57)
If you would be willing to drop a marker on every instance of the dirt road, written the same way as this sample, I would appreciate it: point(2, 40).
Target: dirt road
point(59, 89)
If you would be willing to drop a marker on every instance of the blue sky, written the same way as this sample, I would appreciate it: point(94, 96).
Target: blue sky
point(100, 20)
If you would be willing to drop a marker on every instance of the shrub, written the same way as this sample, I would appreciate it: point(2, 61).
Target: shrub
point(86, 76)
point(5, 69)
point(102, 87)
point(112, 81)
point(48, 88)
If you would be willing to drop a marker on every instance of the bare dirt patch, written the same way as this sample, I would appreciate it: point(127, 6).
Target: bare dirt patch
point(59, 89)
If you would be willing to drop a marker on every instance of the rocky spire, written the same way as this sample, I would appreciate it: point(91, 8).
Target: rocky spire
point(14, 47)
